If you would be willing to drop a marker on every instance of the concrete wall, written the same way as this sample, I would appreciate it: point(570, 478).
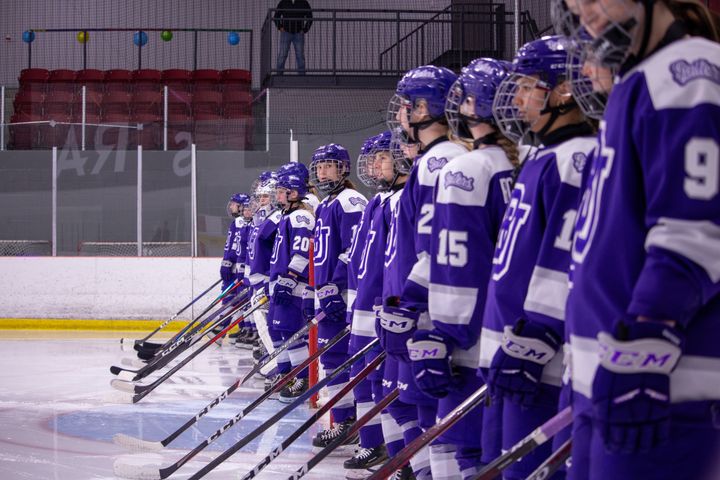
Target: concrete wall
point(104, 287)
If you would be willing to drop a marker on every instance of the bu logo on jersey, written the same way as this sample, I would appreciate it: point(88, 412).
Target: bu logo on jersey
point(322, 236)
point(251, 243)
point(515, 217)
point(362, 270)
point(276, 249)
point(391, 248)
point(587, 217)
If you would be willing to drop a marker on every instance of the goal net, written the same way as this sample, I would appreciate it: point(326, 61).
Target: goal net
point(130, 249)
point(25, 248)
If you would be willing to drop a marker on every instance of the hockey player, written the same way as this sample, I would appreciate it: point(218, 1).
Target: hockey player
point(289, 276)
point(229, 265)
point(643, 310)
point(242, 229)
point(523, 330)
point(418, 107)
point(260, 247)
point(375, 154)
point(337, 217)
point(470, 199)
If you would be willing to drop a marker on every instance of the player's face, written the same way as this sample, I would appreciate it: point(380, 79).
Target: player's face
point(375, 166)
point(234, 208)
point(601, 77)
point(281, 195)
point(467, 107)
point(595, 15)
point(247, 212)
point(327, 171)
point(529, 99)
point(263, 199)
point(385, 165)
point(403, 114)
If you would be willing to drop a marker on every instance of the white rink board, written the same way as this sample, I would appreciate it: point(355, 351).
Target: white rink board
point(118, 288)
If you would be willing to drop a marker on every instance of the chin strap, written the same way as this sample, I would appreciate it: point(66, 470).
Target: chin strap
point(417, 126)
point(555, 113)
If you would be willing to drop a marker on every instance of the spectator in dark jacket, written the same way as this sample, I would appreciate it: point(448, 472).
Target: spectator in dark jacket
point(293, 18)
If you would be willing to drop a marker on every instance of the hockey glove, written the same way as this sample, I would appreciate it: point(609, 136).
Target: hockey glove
point(332, 303)
point(517, 367)
point(429, 353)
point(226, 271)
point(631, 390)
point(258, 295)
point(308, 304)
point(283, 292)
point(397, 325)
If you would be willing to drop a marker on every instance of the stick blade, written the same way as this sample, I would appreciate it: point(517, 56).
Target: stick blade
point(122, 385)
point(136, 467)
point(136, 443)
point(127, 344)
point(127, 376)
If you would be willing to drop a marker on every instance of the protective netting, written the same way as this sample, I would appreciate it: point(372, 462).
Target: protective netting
point(24, 248)
point(129, 249)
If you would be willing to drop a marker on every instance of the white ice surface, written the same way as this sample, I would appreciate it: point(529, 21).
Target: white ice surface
point(58, 414)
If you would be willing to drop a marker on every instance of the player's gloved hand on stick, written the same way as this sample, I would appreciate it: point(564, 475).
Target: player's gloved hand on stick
point(332, 303)
point(259, 294)
point(631, 390)
point(283, 291)
point(429, 353)
point(517, 367)
point(395, 326)
point(226, 271)
point(308, 304)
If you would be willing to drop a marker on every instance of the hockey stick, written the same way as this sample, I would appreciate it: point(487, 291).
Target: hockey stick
point(272, 420)
point(190, 326)
point(167, 322)
point(320, 456)
point(140, 391)
point(164, 357)
point(553, 463)
point(536, 438)
point(404, 455)
point(290, 341)
point(137, 443)
point(315, 417)
point(151, 472)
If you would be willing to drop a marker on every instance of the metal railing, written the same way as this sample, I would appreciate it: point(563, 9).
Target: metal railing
point(361, 42)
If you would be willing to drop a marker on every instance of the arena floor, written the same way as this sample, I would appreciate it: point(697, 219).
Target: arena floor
point(58, 413)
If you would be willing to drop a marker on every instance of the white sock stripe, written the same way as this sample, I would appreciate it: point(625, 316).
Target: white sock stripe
point(443, 463)
point(391, 430)
point(407, 426)
point(347, 401)
point(298, 355)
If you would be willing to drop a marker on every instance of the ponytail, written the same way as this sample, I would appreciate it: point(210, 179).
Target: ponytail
point(696, 17)
point(510, 149)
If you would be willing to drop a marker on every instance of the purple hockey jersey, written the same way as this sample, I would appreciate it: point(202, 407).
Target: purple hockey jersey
point(647, 238)
point(368, 264)
point(408, 251)
point(232, 242)
point(336, 220)
point(260, 245)
point(357, 248)
point(532, 256)
point(470, 199)
point(292, 246)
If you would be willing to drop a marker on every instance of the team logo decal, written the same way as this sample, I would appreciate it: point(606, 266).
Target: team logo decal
point(460, 181)
point(579, 160)
point(435, 163)
point(302, 219)
point(355, 201)
point(684, 72)
point(322, 234)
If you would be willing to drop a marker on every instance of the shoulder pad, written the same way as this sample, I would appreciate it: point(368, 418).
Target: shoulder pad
point(351, 201)
point(302, 219)
point(571, 158)
point(466, 180)
point(684, 74)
